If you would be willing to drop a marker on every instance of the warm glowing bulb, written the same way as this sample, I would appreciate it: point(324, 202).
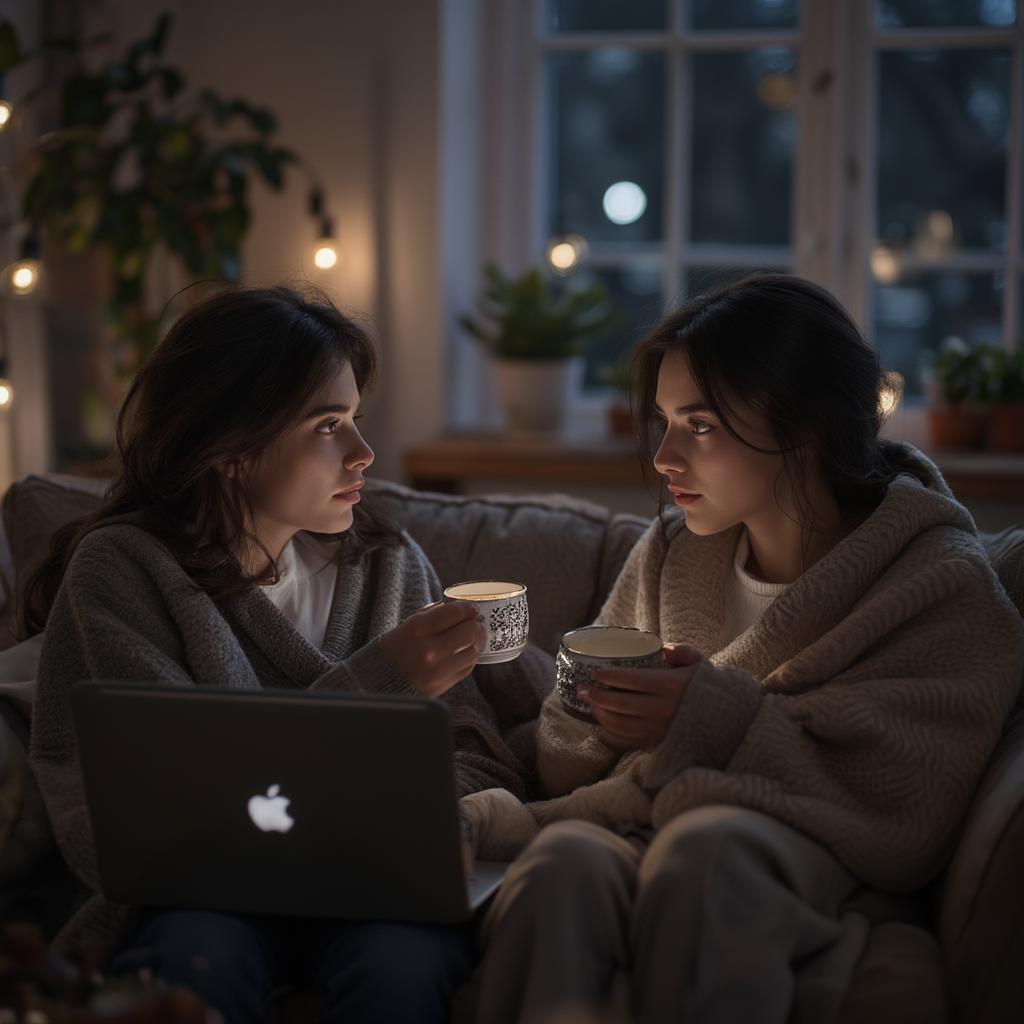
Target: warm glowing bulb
point(566, 252)
point(6, 394)
point(325, 256)
point(5, 114)
point(562, 256)
point(25, 276)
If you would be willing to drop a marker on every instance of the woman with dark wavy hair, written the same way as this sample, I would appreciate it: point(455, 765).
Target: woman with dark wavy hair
point(233, 550)
point(840, 660)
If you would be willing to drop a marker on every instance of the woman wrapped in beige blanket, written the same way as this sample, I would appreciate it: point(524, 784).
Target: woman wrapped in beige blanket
point(840, 661)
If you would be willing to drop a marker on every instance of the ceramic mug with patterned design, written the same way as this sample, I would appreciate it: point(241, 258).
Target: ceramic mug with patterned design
point(592, 647)
point(501, 607)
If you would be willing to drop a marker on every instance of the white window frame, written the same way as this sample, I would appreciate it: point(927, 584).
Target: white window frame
point(834, 171)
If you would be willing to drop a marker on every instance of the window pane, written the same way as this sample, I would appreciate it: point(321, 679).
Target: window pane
point(747, 14)
point(945, 13)
point(913, 315)
point(744, 130)
point(635, 291)
point(943, 130)
point(605, 15)
point(606, 142)
point(706, 279)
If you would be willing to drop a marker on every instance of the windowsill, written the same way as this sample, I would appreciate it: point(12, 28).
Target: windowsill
point(587, 459)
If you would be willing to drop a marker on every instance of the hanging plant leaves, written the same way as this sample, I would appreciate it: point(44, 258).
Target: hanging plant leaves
point(131, 173)
point(171, 82)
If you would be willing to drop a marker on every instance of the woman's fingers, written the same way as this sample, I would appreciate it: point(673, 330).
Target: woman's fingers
point(681, 655)
point(635, 705)
point(466, 634)
point(641, 680)
point(450, 672)
point(441, 616)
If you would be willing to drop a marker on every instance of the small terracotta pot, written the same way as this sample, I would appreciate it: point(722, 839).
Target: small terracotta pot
point(1006, 428)
point(956, 427)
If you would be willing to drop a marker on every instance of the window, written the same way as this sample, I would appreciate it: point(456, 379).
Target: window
point(873, 145)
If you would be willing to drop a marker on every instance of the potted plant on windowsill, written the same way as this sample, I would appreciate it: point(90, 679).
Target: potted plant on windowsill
point(958, 382)
point(536, 334)
point(1006, 413)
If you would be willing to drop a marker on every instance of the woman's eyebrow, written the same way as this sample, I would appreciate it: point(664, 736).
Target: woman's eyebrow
point(322, 410)
point(692, 407)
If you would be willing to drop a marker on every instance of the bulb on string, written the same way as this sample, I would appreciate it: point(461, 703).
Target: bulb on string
point(325, 253)
point(566, 252)
point(6, 107)
point(23, 275)
point(6, 389)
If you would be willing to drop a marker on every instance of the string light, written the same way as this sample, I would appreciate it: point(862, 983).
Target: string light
point(325, 251)
point(6, 107)
point(325, 255)
point(23, 275)
point(6, 389)
point(565, 252)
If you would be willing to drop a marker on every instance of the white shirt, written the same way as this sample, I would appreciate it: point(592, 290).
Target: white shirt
point(746, 597)
point(305, 590)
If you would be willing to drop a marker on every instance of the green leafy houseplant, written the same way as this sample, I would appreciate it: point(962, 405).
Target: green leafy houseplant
point(961, 377)
point(982, 391)
point(530, 319)
point(135, 165)
point(962, 372)
point(1006, 414)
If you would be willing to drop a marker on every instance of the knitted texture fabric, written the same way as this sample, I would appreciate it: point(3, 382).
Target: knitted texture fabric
point(861, 708)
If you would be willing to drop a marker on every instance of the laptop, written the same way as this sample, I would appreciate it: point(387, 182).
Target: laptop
point(276, 802)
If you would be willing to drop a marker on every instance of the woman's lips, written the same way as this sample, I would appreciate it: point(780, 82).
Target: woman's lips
point(682, 497)
point(352, 495)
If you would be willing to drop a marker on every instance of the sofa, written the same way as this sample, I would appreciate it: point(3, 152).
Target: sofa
point(954, 952)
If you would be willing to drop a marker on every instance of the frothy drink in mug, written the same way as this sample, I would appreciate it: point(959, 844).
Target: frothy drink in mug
point(501, 607)
point(582, 651)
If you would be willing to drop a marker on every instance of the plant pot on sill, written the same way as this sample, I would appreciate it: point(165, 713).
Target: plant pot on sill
point(956, 427)
point(1006, 427)
point(535, 393)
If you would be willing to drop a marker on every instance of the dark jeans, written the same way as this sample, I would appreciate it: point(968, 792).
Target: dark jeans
point(385, 973)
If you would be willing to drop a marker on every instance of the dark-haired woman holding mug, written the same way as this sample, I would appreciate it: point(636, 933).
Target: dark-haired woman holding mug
point(840, 657)
point(233, 549)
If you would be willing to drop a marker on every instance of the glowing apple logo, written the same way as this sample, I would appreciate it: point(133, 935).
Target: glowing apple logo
point(270, 813)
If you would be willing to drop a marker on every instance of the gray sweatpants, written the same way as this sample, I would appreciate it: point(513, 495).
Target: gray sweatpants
point(728, 915)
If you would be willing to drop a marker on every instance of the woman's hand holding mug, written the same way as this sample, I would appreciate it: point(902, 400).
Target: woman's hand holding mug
point(436, 647)
point(635, 714)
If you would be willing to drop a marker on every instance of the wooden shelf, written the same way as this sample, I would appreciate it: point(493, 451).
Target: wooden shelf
point(448, 463)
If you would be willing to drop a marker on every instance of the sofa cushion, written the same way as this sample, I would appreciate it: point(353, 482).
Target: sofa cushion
point(34, 508)
point(898, 977)
point(981, 924)
point(568, 552)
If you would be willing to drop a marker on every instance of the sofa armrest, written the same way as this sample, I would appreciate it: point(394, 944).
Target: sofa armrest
point(981, 920)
